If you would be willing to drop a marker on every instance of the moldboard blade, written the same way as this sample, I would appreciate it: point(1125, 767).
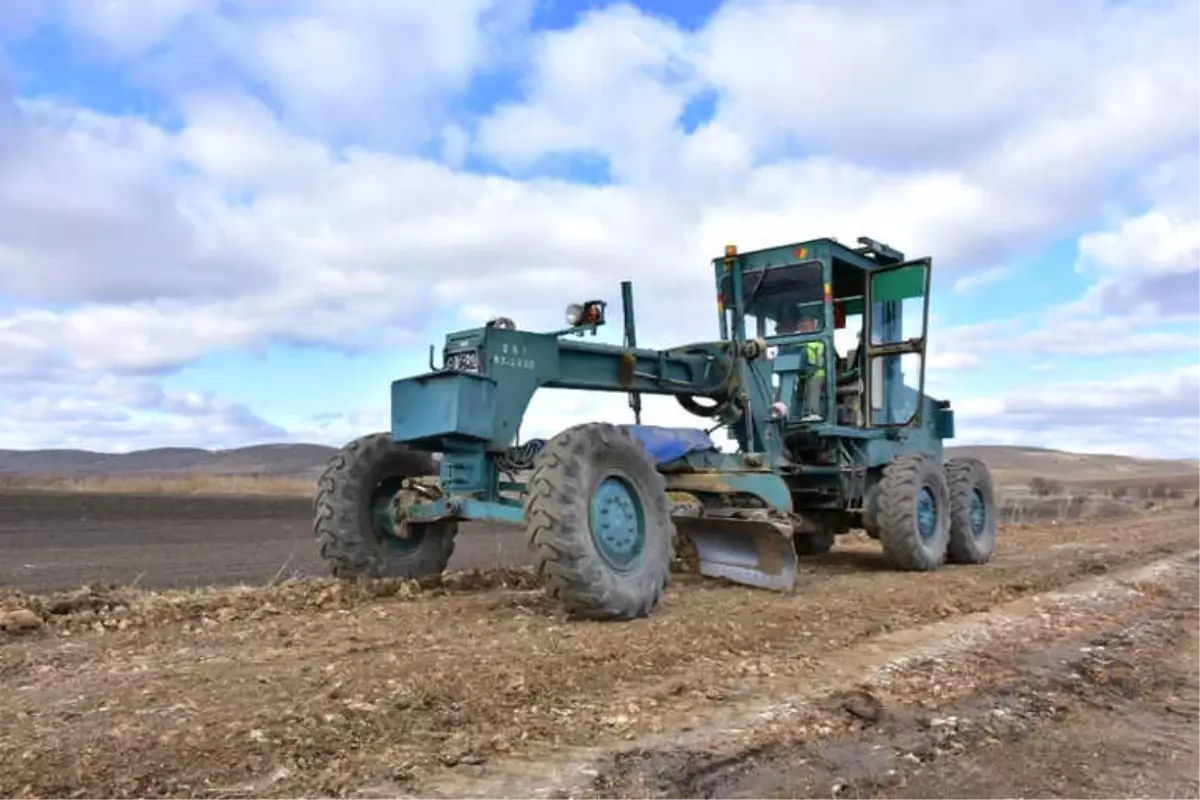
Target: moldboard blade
point(750, 552)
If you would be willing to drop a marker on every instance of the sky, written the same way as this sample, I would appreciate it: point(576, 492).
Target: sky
point(225, 223)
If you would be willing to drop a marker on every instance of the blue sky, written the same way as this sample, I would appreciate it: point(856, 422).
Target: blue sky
point(230, 222)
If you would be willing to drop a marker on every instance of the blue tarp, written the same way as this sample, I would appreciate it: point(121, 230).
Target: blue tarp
point(668, 444)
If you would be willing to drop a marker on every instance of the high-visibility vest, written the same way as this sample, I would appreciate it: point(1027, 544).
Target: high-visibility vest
point(816, 354)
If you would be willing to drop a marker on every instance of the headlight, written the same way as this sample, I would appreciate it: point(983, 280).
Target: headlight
point(589, 313)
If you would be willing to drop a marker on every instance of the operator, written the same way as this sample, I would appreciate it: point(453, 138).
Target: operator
point(807, 320)
point(848, 380)
point(848, 368)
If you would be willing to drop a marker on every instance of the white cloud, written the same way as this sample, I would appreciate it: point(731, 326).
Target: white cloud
point(615, 83)
point(836, 75)
point(89, 213)
point(1013, 131)
point(1052, 334)
point(376, 70)
point(951, 361)
point(124, 414)
point(328, 66)
point(128, 248)
point(1149, 264)
point(1145, 297)
point(130, 27)
point(455, 145)
point(977, 280)
point(1140, 414)
point(1158, 241)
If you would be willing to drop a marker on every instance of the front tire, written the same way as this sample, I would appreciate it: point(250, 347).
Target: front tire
point(352, 533)
point(914, 512)
point(600, 523)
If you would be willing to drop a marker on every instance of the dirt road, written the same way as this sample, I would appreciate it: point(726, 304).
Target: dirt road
point(475, 686)
point(52, 541)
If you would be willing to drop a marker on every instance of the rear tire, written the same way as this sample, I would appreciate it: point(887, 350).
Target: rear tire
point(972, 511)
point(352, 539)
point(914, 512)
point(600, 523)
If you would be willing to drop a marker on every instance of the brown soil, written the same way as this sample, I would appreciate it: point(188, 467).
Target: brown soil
point(55, 540)
point(1119, 719)
point(1091, 693)
point(387, 689)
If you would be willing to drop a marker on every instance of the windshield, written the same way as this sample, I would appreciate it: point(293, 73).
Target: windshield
point(782, 295)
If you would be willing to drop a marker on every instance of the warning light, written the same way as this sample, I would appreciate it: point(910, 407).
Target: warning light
point(730, 250)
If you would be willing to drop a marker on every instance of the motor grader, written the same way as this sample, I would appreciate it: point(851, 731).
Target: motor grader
point(818, 444)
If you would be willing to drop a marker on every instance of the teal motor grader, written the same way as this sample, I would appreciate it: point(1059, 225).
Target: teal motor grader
point(818, 443)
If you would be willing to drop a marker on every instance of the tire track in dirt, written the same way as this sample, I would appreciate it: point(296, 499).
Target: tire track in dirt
point(412, 688)
point(870, 712)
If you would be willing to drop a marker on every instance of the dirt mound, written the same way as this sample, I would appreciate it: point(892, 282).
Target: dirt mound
point(99, 607)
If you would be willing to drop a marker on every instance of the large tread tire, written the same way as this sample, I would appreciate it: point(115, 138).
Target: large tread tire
point(344, 525)
point(558, 515)
point(966, 476)
point(903, 481)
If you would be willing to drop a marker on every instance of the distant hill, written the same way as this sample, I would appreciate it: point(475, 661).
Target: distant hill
point(1017, 463)
point(1011, 464)
point(275, 460)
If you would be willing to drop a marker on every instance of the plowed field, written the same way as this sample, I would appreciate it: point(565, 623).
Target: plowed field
point(59, 540)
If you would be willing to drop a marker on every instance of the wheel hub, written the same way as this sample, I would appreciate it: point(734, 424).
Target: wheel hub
point(977, 512)
point(618, 522)
point(383, 513)
point(926, 514)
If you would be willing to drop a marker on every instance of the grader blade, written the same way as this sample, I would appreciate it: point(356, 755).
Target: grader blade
point(752, 552)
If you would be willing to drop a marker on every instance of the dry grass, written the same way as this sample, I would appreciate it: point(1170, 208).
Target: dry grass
point(1015, 485)
point(1009, 476)
point(1181, 483)
point(1019, 464)
point(284, 486)
point(1025, 510)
